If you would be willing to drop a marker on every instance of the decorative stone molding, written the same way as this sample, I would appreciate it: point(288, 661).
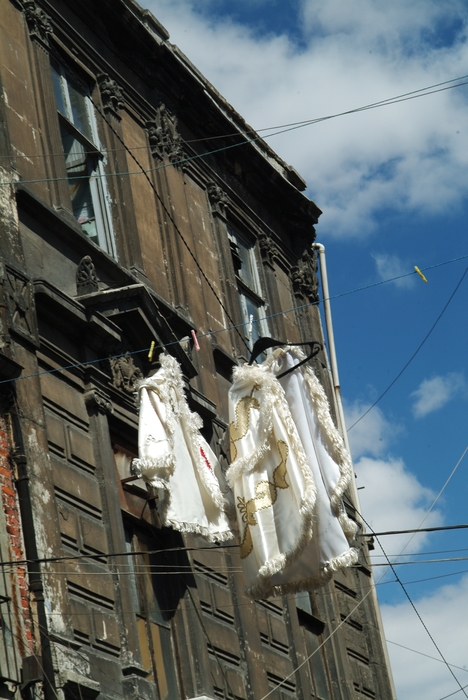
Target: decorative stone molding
point(163, 136)
point(268, 248)
point(125, 373)
point(304, 277)
point(19, 301)
point(218, 199)
point(100, 400)
point(111, 95)
point(38, 21)
point(86, 277)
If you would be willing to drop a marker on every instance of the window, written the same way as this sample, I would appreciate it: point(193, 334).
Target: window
point(251, 299)
point(83, 159)
point(156, 592)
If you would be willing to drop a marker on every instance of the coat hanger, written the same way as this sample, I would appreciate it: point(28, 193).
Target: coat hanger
point(263, 344)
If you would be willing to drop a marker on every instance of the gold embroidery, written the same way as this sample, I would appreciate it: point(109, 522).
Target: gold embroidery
point(266, 494)
point(238, 428)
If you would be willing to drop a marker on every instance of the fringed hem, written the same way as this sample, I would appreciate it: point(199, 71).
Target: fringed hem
point(272, 397)
point(264, 588)
point(168, 384)
point(332, 439)
point(197, 529)
point(155, 470)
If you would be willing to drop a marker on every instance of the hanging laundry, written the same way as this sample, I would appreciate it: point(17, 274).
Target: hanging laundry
point(176, 459)
point(289, 470)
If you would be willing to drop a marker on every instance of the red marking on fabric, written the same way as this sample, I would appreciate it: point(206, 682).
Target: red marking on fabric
point(206, 459)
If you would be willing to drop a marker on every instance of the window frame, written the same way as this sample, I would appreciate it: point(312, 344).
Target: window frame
point(64, 80)
point(154, 628)
point(250, 288)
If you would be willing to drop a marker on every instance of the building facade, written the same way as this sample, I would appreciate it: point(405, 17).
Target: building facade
point(135, 206)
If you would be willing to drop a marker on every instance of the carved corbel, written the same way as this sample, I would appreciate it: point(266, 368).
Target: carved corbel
point(125, 374)
point(111, 95)
point(18, 297)
point(268, 248)
point(163, 137)
point(39, 24)
point(304, 277)
point(86, 277)
point(94, 398)
point(218, 200)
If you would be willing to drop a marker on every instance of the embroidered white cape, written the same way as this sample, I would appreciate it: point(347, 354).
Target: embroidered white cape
point(289, 470)
point(176, 459)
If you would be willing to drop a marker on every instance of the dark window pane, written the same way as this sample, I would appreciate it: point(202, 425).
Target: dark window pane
point(58, 90)
point(80, 114)
point(79, 168)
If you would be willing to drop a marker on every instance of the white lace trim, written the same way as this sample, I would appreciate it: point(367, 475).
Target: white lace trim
point(264, 588)
point(332, 438)
point(271, 395)
point(169, 386)
point(193, 528)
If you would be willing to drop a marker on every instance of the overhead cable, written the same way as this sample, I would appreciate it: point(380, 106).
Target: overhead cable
point(422, 92)
point(426, 337)
point(229, 328)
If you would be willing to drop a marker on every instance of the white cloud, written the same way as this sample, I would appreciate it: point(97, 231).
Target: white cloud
point(407, 156)
point(434, 393)
point(372, 434)
point(390, 266)
point(417, 676)
point(394, 499)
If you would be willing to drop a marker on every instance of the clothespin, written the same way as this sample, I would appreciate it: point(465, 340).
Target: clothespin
point(195, 341)
point(151, 350)
point(420, 273)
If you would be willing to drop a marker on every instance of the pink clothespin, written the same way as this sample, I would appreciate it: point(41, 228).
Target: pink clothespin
point(195, 341)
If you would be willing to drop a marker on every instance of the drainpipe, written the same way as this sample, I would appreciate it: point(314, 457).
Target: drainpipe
point(331, 343)
point(34, 567)
point(342, 426)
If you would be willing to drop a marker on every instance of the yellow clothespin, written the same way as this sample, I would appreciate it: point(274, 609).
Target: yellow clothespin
point(420, 273)
point(151, 350)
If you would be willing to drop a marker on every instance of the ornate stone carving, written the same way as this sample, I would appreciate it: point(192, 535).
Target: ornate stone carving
point(218, 199)
point(19, 300)
point(86, 278)
point(111, 95)
point(38, 21)
point(163, 136)
point(101, 401)
point(268, 248)
point(304, 277)
point(125, 373)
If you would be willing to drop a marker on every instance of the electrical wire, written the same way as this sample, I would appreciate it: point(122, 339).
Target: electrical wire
point(422, 554)
point(217, 548)
point(450, 695)
point(413, 355)
point(433, 658)
point(422, 92)
point(239, 325)
point(438, 495)
point(392, 567)
point(424, 561)
point(415, 530)
point(172, 220)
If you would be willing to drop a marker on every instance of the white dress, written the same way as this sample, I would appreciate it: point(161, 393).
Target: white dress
point(289, 470)
point(176, 459)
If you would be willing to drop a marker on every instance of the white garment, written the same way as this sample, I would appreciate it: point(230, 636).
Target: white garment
point(176, 459)
point(289, 471)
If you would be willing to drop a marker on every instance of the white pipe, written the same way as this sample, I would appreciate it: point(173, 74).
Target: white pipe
point(342, 426)
point(331, 345)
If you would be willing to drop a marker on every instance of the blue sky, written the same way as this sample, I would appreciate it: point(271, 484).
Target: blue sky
point(393, 187)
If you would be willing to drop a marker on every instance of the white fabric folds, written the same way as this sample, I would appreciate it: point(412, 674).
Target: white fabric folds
point(176, 459)
point(289, 470)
